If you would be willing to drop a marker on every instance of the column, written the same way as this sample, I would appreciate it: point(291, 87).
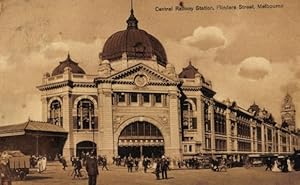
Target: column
point(173, 147)
point(200, 122)
point(252, 138)
point(228, 130)
point(68, 149)
point(105, 143)
point(273, 143)
point(255, 138)
point(235, 135)
point(263, 143)
point(212, 123)
point(290, 143)
point(44, 108)
point(279, 141)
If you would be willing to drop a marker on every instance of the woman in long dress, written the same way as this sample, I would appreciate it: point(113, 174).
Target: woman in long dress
point(289, 165)
point(44, 163)
point(275, 167)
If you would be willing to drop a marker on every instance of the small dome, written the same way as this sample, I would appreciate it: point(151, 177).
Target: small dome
point(136, 43)
point(67, 63)
point(189, 72)
point(254, 109)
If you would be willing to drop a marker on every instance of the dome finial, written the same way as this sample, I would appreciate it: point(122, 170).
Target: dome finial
point(132, 22)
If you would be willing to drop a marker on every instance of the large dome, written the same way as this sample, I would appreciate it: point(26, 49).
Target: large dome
point(136, 43)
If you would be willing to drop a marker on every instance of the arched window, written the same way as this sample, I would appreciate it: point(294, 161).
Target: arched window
point(140, 129)
point(55, 113)
point(85, 114)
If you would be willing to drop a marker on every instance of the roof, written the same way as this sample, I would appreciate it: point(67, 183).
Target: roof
point(30, 126)
point(135, 43)
point(67, 63)
point(189, 72)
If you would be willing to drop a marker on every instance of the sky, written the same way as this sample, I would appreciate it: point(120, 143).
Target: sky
point(249, 55)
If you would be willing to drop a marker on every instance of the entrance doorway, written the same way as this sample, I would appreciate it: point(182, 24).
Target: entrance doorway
point(138, 151)
point(85, 147)
point(141, 139)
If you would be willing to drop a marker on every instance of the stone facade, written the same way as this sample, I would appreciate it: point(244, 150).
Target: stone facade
point(137, 101)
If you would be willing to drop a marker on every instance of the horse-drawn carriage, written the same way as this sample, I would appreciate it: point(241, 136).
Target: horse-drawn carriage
point(18, 163)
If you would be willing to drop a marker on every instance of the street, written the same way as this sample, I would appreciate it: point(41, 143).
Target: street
point(55, 175)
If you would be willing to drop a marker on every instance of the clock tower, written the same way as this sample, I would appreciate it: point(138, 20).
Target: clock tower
point(288, 112)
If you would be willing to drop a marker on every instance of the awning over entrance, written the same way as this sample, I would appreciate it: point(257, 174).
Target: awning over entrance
point(141, 142)
point(141, 138)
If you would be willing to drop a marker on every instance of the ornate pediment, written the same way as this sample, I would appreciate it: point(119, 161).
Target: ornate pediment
point(139, 75)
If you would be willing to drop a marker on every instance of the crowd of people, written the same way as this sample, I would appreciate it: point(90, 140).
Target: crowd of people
point(158, 166)
point(279, 165)
point(38, 161)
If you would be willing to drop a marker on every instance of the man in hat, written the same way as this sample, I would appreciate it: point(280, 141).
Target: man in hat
point(164, 167)
point(92, 169)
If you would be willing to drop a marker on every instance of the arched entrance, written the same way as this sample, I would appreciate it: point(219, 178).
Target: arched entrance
point(85, 147)
point(141, 138)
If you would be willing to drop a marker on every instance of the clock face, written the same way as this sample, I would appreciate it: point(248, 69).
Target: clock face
point(140, 80)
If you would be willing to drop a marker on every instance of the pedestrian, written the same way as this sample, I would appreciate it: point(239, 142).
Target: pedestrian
point(289, 164)
point(129, 164)
point(5, 174)
point(92, 169)
point(63, 161)
point(164, 168)
point(284, 165)
point(222, 165)
point(269, 164)
point(145, 164)
point(158, 169)
point(136, 162)
point(77, 167)
point(104, 163)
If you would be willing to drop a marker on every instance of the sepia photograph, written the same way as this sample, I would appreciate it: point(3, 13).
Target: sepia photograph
point(149, 92)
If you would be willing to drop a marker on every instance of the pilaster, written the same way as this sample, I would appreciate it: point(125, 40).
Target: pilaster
point(279, 141)
point(228, 130)
point(106, 141)
point(252, 138)
point(263, 142)
point(173, 150)
point(68, 149)
point(44, 108)
point(212, 123)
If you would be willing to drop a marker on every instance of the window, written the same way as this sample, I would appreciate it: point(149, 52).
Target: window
point(190, 148)
point(121, 97)
point(185, 148)
point(220, 123)
point(157, 98)
point(85, 114)
point(194, 123)
point(258, 133)
point(146, 98)
point(244, 146)
point(55, 113)
point(140, 128)
point(133, 98)
point(206, 118)
point(220, 145)
point(189, 121)
point(269, 135)
point(207, 143)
